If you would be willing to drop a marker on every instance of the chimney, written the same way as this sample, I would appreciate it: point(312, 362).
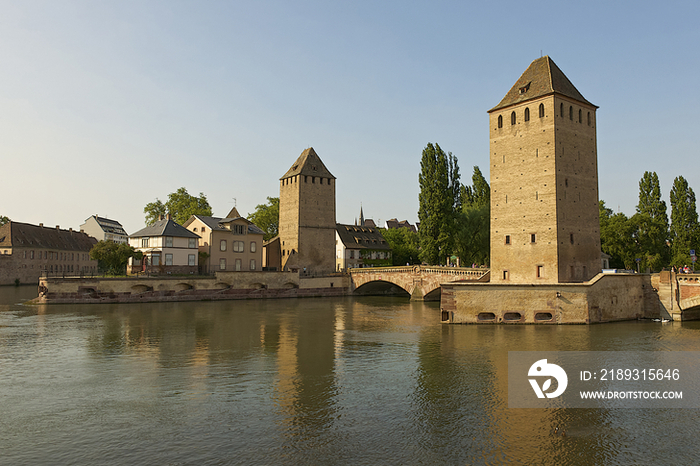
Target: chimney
point(41, 225)
point(169, 217)
point(58, 227)
point(70, 229)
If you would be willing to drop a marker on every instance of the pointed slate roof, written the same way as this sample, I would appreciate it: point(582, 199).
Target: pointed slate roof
point(233, 214)
point(543, 77)
point(308, 163)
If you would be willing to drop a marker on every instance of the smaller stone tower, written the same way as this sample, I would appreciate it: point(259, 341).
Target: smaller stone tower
point(307, 216)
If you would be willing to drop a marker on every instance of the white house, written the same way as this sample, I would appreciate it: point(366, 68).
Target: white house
point(167, 247)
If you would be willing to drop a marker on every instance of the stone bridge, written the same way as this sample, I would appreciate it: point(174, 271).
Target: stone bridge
point(421, 282)
point(680, 295)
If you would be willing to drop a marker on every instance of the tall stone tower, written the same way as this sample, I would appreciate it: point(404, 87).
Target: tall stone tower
point(307, 215)
point(544, 181)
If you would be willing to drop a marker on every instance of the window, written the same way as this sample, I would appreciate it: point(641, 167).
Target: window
point(541, 110)
point(589, 118)
point(571, 238)
point(155, 260)
point(31, 254)
point(512, 118)
point(203, 229)
point(507, 239)
point(190, 259)
point(168, 241)
point(580, 117)
point(239, 229)
point(252, 264)
point(533, 238)
point(561, 109)
point(500, 121)
point(238, 265)
point(527, 114)
point(222, 264)
point(506, 275)
point(222, 246)
point(571, 113)
point(253, 246)
point(238, 246)
point(144, 242)
point(168, 259)
point(192, 243)
point(540, 271)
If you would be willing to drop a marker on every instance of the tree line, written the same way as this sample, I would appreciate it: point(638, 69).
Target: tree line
point(455, 219)
point(648, 237)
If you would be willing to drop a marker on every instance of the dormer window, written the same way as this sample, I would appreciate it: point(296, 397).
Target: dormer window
point(524, 89)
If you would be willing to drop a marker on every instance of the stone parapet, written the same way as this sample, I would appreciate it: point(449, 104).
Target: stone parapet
point(605, 298)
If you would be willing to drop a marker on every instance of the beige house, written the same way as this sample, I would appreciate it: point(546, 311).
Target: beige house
point(167, 247)
point(232, 244)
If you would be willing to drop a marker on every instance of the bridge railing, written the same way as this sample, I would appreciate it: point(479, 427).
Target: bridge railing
point(464, 271)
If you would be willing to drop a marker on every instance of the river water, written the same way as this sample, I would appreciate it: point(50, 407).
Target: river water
point(344, 381)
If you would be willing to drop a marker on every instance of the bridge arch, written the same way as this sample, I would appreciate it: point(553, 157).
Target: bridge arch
point(420, 282)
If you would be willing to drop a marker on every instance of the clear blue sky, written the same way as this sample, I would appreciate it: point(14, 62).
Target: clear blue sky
point(106, 106)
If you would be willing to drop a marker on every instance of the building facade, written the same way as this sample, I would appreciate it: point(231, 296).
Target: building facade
point(231, 244)
point(544, 181)
point(105, 229)
point(360, 246)
point(167, 247)
point(307, 216)
point(28, 251)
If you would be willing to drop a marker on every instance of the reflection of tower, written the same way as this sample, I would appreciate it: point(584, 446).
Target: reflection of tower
point(307, 215)
point(544, 181)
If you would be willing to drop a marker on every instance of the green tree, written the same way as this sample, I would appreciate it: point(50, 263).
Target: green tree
point(651, 224)
point(479, 193)
point(685, 231)
point(3, 220)
point(436, 204)
point(404, 245)
point(267, 217)
point(112, 257)
point(617, 238)
point(473, 236)
point(180, 205)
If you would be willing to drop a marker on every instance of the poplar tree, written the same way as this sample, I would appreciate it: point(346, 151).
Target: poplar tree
point(651, 224)
point(685, 230)
point(472, 241)
point(439, 193)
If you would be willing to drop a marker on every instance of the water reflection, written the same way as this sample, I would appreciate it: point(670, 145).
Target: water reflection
point(316, 381)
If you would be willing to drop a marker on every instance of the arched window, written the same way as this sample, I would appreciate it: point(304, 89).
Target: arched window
point(580, 116)
point(500, 121)
point(541, 110)
point(512, 118)
point(527, 114)
point(571, 113)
